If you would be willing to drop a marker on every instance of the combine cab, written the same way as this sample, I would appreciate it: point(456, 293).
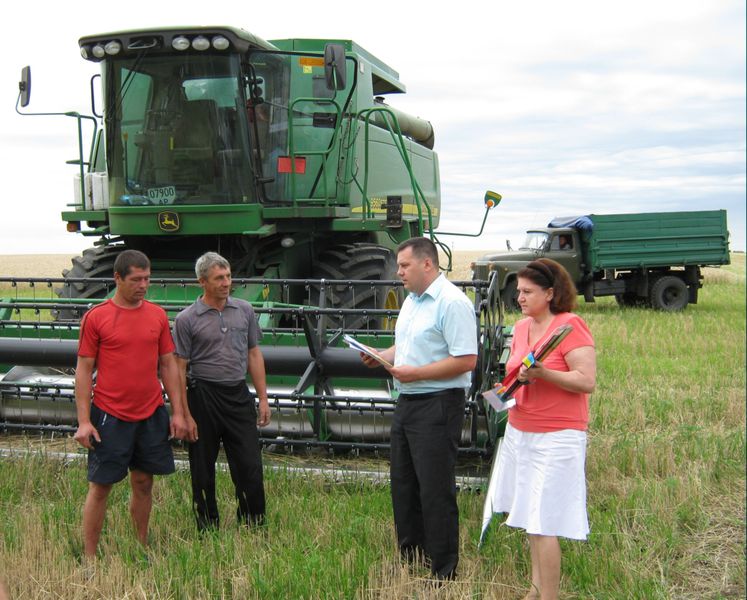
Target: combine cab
point(284, 157)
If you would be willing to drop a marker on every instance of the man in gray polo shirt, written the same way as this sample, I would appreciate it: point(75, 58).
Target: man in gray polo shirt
point(216, 345)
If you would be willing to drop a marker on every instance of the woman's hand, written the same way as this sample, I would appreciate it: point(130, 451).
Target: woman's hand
point(580, 377)
point(529, 374)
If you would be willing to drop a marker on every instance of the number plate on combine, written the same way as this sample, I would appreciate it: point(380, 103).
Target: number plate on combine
point(162, 195)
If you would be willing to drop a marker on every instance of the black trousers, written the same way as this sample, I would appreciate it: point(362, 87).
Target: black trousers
point(425, 436)
point(225, 413)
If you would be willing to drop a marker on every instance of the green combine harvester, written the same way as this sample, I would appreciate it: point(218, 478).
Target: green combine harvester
point(283, 157)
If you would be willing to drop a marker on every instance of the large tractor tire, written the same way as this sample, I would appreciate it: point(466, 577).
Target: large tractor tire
point(361, 262)
point(668, 292)
point(510, 297)
point(94, 263)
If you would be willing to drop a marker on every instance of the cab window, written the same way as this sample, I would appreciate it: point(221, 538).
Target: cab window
point(562, 242)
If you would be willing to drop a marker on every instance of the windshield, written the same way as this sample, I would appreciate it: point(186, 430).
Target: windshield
point(535, 240)
point(177, 131)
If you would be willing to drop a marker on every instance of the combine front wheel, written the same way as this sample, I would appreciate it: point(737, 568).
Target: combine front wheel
point(93, 263)
point(359, 262)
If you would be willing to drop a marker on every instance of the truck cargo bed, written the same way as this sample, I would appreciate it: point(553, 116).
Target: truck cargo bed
point(657, 240)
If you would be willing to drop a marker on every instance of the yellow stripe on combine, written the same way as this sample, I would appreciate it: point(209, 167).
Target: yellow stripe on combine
point(407, 209)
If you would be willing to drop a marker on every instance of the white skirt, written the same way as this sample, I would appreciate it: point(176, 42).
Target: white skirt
point(541, 484)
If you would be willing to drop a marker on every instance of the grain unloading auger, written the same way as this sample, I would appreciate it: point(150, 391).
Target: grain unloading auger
point(283, 157)
point(320, 393)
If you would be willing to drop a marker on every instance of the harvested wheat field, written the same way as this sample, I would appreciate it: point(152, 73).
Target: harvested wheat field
point(34, 265)
point(51, 265)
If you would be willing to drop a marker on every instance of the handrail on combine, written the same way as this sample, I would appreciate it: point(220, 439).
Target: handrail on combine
point(79, 161)
point(394, 131)
point(323, 153)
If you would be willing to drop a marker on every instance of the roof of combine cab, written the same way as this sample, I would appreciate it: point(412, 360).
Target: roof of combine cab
point(163, 37)
point(94, 47)
point(386, 79)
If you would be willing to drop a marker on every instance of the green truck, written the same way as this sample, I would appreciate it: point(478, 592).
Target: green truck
point(643, 259)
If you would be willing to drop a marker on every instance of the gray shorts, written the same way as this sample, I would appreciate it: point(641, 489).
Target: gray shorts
point(137, 446)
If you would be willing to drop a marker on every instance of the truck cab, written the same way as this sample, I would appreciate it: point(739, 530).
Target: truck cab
point(560, 244)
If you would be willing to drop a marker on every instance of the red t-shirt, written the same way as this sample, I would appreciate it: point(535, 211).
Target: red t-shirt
point(126, 343)
point(543, 406)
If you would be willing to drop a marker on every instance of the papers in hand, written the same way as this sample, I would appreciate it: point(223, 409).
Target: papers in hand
point(356, 345)
point(495, 399)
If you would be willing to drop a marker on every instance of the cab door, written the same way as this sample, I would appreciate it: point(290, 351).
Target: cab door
point(565, 249)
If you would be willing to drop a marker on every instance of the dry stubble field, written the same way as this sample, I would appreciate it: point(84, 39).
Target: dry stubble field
point(34, 265)
point(666, 472)
point(51, 265)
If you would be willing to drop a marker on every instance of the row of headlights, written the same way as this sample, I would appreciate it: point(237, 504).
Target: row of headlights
point(101, 50)
point(200, 43)
point(181, 42)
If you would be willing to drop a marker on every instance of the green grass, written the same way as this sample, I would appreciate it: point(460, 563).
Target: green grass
point(666, 482)
point(38, 291)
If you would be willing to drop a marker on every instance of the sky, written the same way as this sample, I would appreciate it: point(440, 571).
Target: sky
point(564, 108)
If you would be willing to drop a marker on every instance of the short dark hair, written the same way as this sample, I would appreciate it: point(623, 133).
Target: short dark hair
point(128, 259)
point(547, 274)
point(422, 248)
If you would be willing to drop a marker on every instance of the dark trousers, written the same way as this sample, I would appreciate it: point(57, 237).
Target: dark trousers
point(425, 437)
point(225, 413)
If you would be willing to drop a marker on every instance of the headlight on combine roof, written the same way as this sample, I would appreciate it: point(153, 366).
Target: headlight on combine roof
point(220, 43)
point(200, 43)
point(85, 52)
point(180, 43)
point(113, 47)
point(98, 51)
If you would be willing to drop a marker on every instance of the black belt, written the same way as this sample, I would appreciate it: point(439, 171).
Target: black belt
point(193, 382)
point(454, 392)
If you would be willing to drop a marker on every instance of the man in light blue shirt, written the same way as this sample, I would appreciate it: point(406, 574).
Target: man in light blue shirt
point(434, 354)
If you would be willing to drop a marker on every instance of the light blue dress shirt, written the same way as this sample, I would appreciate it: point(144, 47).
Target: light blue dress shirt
point(432, 326)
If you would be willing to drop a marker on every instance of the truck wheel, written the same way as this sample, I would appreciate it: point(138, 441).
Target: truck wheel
point(669, 293)
point(361, 262)
point(95, 263)
point(510, 297)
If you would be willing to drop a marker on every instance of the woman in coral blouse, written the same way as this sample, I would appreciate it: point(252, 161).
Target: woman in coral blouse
point(541, 481)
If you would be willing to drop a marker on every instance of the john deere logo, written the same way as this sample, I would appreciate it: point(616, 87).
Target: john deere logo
point(168, 221)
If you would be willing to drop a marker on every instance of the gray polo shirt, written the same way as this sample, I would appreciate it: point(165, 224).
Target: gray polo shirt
point(215, 343)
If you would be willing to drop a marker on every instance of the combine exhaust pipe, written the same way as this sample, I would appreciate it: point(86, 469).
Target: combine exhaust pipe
point(420, 130)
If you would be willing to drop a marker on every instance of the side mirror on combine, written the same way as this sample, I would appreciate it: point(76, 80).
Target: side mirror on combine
point(335, 73)
point(24, 86)
point(492, 199)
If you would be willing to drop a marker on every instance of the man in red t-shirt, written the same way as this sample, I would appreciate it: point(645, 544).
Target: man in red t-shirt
point(126, 425)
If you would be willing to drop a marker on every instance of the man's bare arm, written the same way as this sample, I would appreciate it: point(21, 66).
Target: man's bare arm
point(83, 389)
point(192, 434)
point(256, 368)
point(172, 384)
